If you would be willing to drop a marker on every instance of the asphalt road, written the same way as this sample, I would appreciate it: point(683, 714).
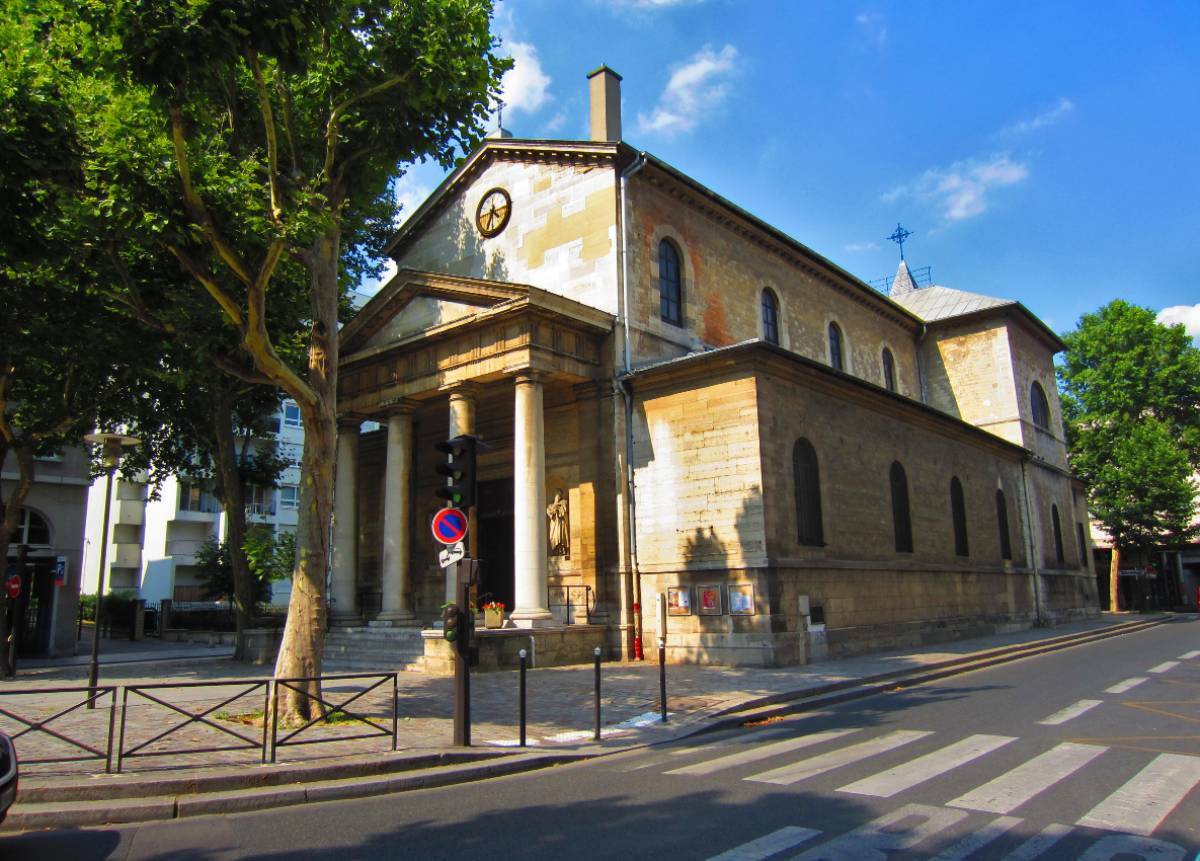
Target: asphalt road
point(1092, 752)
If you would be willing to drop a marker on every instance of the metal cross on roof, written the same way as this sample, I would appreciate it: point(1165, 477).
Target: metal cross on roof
point(899, 236)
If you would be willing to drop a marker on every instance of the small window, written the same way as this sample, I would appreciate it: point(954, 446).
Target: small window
point(260, 500)
point(835, 347)
point(291, 416)
point(958, 513)
point(1002, 525)
point(900, 514)
point(889, 370)
point(1083, 559)
point(1058, 542)
point(807, 480)
point(770, 317)
point(670, 284)
point(193, 497)
point(32, 530)
point(1040, 406)
point(289, 496)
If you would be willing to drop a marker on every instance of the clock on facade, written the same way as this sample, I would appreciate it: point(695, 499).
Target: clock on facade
point(494, 210)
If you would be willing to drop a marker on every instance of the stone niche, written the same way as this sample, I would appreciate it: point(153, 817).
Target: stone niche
point(499, 648)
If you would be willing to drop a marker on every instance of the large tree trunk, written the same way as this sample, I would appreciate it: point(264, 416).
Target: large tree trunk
point(233, 498)
point(1114, 567)
point(304, 636)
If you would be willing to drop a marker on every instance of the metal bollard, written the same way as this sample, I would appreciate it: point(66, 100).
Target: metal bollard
point(521, 654)
point(596, 737)
point(662, 676)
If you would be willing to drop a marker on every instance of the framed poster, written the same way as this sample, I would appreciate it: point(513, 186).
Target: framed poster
point(679, 601)
point(741, 599)
point(709, 600)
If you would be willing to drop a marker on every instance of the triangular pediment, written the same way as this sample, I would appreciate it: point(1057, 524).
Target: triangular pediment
point(414, 303)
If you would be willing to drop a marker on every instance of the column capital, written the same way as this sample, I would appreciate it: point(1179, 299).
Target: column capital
point(349, 422)
point(529, 375)
point(398, 407)
point(462, 389)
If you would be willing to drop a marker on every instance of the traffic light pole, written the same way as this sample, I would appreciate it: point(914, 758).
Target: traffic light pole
point(462, 655)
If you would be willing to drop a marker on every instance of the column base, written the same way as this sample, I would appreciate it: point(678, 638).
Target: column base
point(533, 619)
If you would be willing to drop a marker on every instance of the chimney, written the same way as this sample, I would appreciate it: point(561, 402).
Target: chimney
point(604, 90)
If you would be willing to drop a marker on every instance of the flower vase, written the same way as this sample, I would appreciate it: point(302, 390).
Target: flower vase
point(493, 617)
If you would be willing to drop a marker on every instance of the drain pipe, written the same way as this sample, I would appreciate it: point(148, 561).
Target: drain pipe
point(1033, 560)
point(922, 382)
point(634, 575)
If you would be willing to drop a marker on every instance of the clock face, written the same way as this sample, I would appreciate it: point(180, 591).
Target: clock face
point(493, 212)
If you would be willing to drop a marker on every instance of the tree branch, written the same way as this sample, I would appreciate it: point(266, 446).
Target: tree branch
point(233, 311)
point(195, 204)
point(335, 117)
point(268, 116)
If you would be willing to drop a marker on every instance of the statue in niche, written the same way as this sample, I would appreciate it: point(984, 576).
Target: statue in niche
point(559, 530)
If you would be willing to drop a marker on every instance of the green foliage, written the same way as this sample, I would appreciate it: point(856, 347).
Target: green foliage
point(270, 557)
point(1131, 400)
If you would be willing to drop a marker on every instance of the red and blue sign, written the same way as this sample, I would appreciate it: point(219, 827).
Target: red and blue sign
point(449, 526)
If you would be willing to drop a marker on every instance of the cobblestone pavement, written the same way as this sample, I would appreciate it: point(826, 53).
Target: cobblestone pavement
point(560, 703)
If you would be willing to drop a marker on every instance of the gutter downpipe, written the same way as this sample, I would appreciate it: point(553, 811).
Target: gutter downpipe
point(921, 381)
point(1037, 574)
point(634, 575)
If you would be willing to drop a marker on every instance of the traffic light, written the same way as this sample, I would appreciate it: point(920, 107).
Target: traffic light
point(459, 469)
point(451, 622)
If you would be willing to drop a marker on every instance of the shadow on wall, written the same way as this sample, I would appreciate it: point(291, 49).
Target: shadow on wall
point(474, 258)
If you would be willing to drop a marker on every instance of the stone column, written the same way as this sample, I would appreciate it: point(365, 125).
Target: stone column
point(395, 574)
point(462, 421)
point(345, 525)
point(529, 505)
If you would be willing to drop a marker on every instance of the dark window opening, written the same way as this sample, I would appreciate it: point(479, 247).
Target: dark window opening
point(889, 370)
point(1002, 525)
point(770, 317)
point(670, 284)
point(807, 481)
point(1058, 541)
point(1083, 559)
point(835, 347)
point(958, 511)
point(1040, 406)
point(900, 512)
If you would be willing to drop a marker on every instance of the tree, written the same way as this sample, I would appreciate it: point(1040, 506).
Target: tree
point(286, 122)
point(1131, 399)
point(270, 556)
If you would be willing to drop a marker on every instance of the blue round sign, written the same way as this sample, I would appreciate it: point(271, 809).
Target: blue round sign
point(449, 526)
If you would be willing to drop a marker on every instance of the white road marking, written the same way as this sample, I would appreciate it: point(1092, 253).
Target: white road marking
point(813, 766)
point(1127, 685)
point(1128, 846)
point(923, 768)
point(901, 829)
point(1070, 712)
point(979, 838)
point(1187, 656)
point(1010, 790)
point(771, 844)
point(763, 751)
point(1148, 798)
point(1163, 667)
point(1037, 845)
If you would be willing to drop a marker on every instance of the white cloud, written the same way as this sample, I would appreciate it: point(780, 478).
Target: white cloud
point(410, 193)
point(862, 246)
point(1188, 315)
point(694, 89)
point(961, 190)
point(1062, 108)
point(525, 87)
point(875, 26)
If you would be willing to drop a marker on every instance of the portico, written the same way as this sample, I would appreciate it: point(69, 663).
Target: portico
point(436, 356)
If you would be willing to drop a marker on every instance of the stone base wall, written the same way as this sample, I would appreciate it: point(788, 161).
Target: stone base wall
point(499, 649)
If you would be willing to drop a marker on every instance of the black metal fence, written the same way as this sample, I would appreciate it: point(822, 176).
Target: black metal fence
point(37, 726)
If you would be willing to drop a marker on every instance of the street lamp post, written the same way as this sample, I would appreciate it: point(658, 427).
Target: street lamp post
point(114, 445)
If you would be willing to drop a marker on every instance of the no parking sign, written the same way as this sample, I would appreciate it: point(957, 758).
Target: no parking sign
point(449, 526)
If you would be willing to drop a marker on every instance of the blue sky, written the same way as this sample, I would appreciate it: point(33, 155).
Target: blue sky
point(1047, 152)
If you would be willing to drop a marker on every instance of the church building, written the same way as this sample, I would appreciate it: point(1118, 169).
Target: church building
point(700, 430)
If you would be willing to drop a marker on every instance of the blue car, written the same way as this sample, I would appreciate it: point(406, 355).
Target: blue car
point(8, 774)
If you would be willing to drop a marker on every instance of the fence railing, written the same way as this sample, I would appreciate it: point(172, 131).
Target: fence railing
point(117, 744)
point(92, 697)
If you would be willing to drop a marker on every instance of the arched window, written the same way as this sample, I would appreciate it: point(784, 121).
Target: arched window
point(1002, 525)
point(770, 317)
point(1083, 559)
point(958, 512)
point(889, 370)
point(670, 284)
point(1058, 545)
point(32, 529)
point(807, 480)
point(1041, 406)
point(835, 347)
point(900, 515)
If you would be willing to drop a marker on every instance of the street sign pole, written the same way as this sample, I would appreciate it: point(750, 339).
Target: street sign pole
point(463, 572)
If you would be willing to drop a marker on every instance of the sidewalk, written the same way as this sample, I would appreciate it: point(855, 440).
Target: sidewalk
point(560, 717)
point(121, 650)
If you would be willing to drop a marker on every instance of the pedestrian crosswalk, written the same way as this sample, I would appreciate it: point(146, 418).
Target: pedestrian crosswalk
point(1137, 807)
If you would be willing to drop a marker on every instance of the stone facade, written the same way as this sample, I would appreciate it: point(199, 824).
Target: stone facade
point(674, 446)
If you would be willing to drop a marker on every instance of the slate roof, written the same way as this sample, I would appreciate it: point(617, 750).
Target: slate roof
point(938, 303)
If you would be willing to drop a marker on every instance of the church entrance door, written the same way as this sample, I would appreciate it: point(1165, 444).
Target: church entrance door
point(495, 519)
